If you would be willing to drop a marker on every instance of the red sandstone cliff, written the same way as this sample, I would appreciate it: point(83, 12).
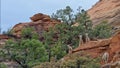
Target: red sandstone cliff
point(106, 10)
point(97, 48)
point(103, 10)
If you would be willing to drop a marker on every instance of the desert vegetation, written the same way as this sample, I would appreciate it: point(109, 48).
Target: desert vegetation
point(30, 51)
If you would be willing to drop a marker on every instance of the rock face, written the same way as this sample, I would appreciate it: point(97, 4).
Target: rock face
point(40, 16)
point(3, 39)
point(3, 36)
point(97, 48)
point(40, 22)
point(106, 10)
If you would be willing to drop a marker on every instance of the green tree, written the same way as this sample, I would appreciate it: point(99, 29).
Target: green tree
point(65, 15)
point(57, 51)
point(29, 33)
point(49, 41)
point(102, 30)
point(26, 53)
point(84, 20)
point(67, 34)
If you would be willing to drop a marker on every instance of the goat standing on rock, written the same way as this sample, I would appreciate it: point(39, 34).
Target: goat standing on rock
point(80, 40)
point(87, 39)
point(105, 57)
point(70, 48)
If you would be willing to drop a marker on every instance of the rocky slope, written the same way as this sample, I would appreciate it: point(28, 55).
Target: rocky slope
point(3, 39)
point(106, 10)
point(39, 21)
point(97, 48)
point(103, 10)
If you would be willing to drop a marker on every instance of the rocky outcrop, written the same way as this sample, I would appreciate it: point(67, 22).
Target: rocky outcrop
point(3, 39)
point(40, 16)
point(106, 10)
point(97, 48)
point(40, 22)
point(112, 65)
point(3, 36)
point(94, 48)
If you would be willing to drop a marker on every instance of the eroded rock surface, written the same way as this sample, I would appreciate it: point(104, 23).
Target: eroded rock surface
point(97, 48)
point(106, 10)
point(40, 22)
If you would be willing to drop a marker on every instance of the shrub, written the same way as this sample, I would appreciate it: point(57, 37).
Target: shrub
point(29, 33)
point(2, 65)
point(77, 62)
point(103, 30)
point(26, 53)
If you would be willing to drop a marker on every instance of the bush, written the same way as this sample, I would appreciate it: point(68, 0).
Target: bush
point(26, 53)
point(2, 65)
point(65, 15)
point(77, 62)
point(103, 30)
point(85, 62)
point(29, 33)
point(57, 51)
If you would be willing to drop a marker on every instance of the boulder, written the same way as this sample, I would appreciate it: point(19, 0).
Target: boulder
point(40, 16)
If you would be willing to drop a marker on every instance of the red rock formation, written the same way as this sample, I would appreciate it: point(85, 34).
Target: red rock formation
point(94, 48)
point(3, 39)
point(115, 44)
point(106, 10)
point(39, 21)
point(40, 16)
point(3, 36)
point(97, 48)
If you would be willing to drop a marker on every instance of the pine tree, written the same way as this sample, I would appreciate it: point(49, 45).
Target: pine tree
point(65, 15)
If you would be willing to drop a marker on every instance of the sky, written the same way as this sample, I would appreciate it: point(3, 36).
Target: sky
point(16, 11)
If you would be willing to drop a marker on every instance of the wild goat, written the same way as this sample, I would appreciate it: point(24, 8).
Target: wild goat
point(105, 57)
